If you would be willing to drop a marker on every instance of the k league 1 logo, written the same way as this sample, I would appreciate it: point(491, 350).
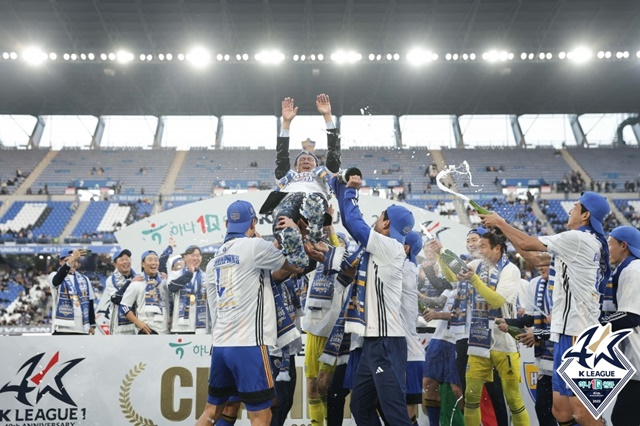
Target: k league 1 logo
point(594, 368)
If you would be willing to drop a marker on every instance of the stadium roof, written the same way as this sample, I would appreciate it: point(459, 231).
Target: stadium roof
point(378, 27)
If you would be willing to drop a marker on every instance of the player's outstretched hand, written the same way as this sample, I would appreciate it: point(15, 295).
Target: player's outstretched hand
point(323, 104)
point(289, 110)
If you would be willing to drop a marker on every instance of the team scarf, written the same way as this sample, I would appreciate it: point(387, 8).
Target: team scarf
point(321, 290)
point(338, 343)
point(616, 275)
point(121, 283)
point(543, 350)
point(293, 286)
point(196, 289)
point(71, 290)
point(354, 317)
point(286, 326)
point(320, 173)
point(458, 320)
point(482, 313)
point(605, 268)
point(152, 295)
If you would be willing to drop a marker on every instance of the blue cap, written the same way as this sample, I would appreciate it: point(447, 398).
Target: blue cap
point(65, 253)
point(629, 235)
point(240, 214)
point(147, 253)
point(598, 208)
point(402, 222)
point(120, 253)
point(311, 153)
point(480, 230)
point(414, 241)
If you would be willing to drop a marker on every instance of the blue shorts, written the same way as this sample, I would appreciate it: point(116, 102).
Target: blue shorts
point(559, 348)
point(440, 362)
point(243, 371)
point(414, 382)
point(352, 367)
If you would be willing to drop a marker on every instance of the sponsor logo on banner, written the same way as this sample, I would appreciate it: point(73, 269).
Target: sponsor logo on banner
point(530, 374)
point(594, 368)
point(32, 384)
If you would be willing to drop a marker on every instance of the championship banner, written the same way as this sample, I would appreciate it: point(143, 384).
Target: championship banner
point(136, 380)
point(203, 223)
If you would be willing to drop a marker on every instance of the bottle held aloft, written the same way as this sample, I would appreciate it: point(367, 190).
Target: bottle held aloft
point(478, 208)
point(344, 175)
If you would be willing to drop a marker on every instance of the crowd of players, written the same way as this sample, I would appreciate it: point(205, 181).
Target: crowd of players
point(359, 307)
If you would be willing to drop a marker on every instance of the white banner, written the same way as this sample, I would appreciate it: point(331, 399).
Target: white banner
point(203, 223)
point(139, 380)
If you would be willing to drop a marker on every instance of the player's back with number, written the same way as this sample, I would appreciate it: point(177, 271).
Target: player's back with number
point(240, 273)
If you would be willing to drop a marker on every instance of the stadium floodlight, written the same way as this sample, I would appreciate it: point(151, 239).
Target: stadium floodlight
point(270, 57)
point(345, 57)
point(34, 56)
point(625, 54)
point(66, 56)
point(491, 56)
point(112, 56)
point(607, 54)
point(472, 56)
point(372, 56)
point(161, 56)
point(396, 56)
point(447, 56)
point(143, 57)
point(5, 55)
point(245, 57)
point(600, 54)
point(74, 56)
point(200, 57)
point(149, 57)
point(13, 55)
point(226, 57)
point(103, 56)
point(418, 56)
point(580, 55)
point(302, 57)
point(503, 55)
point(91, 56)
point(181, 56)
point(124, 56)
point(389, 56)
point(531, 56)
point(523, 56)
point(562, 55)
point(53, 56)
point(541, 55)
point(83, 56)
point(638, 54)
point(549, 55)
point(296, 57)
point(169, 56)
point(321, 56)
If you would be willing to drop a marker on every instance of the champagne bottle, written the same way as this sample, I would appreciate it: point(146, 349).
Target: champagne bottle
point(479, 209)
point(515, 331)
point(422, 306)
point(453, 261)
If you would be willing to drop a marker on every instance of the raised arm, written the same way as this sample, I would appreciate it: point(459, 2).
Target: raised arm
point(348, 203)
point(530, 248)
point(323, 103)
point(283, 164)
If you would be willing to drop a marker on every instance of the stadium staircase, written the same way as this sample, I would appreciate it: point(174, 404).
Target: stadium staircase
point(75, 219)
point(617, 213)
point(576, 166)
point(542, 217)
point(35, 173)
point(168, 186)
